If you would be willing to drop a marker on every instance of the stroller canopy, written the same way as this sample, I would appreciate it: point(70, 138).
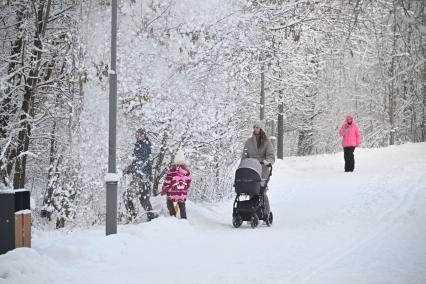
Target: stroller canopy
point(249, 169)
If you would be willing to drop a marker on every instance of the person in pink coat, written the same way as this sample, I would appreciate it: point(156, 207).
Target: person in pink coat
point(176, 184)
point(351, 138)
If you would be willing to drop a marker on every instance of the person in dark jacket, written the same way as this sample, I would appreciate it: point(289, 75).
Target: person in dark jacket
point(141, 170)
point(260, 147)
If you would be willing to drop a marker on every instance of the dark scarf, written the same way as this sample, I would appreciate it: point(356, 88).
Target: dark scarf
point(258, 140)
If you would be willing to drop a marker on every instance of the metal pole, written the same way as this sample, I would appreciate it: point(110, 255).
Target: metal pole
point(111, 186)
point(280, 146)
point(262, 93)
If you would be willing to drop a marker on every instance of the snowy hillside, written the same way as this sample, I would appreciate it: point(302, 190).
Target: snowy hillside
point(330, 227)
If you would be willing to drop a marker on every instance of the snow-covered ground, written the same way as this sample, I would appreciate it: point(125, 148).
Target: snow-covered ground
point(368, 226)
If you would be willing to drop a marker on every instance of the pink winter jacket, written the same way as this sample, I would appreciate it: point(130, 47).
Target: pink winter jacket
point(177, 183)
point(350, 133)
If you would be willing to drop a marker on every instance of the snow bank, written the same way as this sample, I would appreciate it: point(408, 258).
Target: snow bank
point(23, 212)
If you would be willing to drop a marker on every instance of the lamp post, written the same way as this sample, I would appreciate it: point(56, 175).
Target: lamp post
point(280, 146)
point(111, 183)
point(262, 93)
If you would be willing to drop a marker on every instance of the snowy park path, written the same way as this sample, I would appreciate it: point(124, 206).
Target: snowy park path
point(330, 227)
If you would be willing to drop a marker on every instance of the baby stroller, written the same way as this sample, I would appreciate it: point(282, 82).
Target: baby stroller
point(249, 183)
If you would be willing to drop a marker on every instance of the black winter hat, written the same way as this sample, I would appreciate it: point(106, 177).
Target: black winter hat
point(141, 131)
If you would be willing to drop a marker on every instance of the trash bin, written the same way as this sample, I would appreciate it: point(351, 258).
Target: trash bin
point(15, 219)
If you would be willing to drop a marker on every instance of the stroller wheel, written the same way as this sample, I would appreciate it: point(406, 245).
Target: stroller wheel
point(254, 221)
point(269, 219)
point(237, 221)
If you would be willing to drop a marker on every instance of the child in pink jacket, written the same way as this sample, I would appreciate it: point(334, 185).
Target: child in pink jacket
point(351, 139)
point(176, 184)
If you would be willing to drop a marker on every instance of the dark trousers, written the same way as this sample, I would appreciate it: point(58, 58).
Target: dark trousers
point(267, 206)
point(138, 188)
point(172, 210)
point(265, 200)
point(349, 159)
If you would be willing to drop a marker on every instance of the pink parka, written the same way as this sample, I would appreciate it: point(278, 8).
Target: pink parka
point(177, 183)
point(350, 133)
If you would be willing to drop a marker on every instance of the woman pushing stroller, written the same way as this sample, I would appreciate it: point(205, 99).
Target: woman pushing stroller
point(259, 147)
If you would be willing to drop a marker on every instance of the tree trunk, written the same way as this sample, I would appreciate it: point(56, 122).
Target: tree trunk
point(158, 174)
point(280, 138)
point(305, 142)
point(392, 93)
point(8, 107)
point(423, 135)
point(30, 92)
point(423, 124)
point(52, 175)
